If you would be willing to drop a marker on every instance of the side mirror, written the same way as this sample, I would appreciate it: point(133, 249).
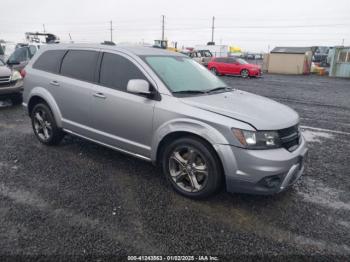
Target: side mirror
point(138, 86)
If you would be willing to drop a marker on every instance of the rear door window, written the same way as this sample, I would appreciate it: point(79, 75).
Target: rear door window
point(116, 71)
point(231, 61)
point(220, 60)
point(80, 64)
point(50, 61)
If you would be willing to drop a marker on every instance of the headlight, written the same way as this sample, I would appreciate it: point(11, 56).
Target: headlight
point(257, 139)
point(15, 76)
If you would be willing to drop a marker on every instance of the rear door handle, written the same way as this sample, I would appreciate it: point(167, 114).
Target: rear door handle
point(100, 95)
point(54, 83)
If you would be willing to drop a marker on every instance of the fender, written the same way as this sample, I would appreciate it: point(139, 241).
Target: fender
point(195, 127)
point(46, 95)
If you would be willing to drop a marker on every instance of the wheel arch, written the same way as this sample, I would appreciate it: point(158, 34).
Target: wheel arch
point(40, 94)
point(182, 128)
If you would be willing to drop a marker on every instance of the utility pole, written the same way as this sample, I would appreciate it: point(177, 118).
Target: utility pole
point(212, 29)
point(163, 22)
point(342, 42)
point(44, 28)
point(111, 29)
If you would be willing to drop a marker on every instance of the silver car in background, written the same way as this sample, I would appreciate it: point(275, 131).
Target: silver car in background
point(11, 83)
point(165, 108)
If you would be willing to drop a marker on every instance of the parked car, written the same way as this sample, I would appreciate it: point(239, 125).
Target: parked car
point(250, 56)
point(2, 52)
point(320, 56)
point(11, 83)
point(165, 108)
point(201, 56)
point(21, 56)
point(233, 66)
point(206, 56)
point(7, 49)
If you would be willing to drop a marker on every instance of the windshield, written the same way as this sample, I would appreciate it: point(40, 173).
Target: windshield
point(242, 61)
point(183, 74)
point(20, 55)
point(206, 53)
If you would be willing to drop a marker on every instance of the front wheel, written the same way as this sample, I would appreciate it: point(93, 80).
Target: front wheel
point(244, 73)
point(44, 125)
point(192, 167)
point(214, 71)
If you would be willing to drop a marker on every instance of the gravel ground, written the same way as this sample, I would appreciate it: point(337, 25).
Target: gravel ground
point(80, 199)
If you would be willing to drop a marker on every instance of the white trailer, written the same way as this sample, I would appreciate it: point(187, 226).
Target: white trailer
point(216, 50)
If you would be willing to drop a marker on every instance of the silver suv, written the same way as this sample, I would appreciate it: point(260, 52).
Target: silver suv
point(165, 108)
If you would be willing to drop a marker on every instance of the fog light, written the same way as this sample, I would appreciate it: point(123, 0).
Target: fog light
point(272, 181)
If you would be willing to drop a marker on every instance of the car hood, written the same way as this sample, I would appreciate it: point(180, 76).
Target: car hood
point(260, 112)
point(5, 71)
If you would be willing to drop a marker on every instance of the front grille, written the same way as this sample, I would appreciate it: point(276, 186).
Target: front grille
point(4, 81)
point(290, 137)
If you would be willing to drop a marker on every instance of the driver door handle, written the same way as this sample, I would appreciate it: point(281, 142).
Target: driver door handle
point(54, 83)
point(99, 95)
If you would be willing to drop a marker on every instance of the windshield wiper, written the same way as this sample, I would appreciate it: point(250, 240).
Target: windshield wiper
point(225, 88)
point(189, 92)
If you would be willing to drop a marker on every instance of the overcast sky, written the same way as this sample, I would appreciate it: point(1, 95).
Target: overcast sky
point(253, 25)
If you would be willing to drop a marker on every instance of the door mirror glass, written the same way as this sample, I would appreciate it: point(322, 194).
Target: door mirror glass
point(138, 86)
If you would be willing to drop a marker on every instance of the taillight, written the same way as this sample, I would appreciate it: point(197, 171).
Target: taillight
point(23, 73)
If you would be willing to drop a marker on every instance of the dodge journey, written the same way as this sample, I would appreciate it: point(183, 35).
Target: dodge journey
point(165, 108)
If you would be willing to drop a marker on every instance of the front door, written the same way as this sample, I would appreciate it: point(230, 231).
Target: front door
point(234, 66)
point(120, 118)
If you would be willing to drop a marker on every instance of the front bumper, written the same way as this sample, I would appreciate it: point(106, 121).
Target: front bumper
point(11, 88)
point(256, 73)
point(261, 171)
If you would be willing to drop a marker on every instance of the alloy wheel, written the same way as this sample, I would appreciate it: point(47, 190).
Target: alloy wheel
point(213, 70)
point(188, 169)
point(42, 125)
point(245, 73)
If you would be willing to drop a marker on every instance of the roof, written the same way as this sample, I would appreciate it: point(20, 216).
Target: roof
point(292, 50)
point(134, 49)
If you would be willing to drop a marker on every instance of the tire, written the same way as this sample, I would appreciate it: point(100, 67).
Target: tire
point(42, 119)
point(245, 73)
point(214, 71)
point(201, 176)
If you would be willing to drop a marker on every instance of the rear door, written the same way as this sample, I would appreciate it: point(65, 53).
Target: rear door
point(120, 118)
point(234, 66)
point(73, 89)
point(225, 65)
point(220, 64)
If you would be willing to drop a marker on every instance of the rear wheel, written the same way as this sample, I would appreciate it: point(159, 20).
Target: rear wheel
point(245, 73)
point(192, 167)
point(44, 125)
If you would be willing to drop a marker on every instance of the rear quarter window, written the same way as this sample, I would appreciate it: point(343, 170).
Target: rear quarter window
point(50, 61)
point(80, 64)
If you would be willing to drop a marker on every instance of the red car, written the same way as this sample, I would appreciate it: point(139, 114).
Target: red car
point(233, 66)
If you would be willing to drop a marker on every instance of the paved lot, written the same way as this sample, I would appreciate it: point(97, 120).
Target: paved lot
point(80, 198)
